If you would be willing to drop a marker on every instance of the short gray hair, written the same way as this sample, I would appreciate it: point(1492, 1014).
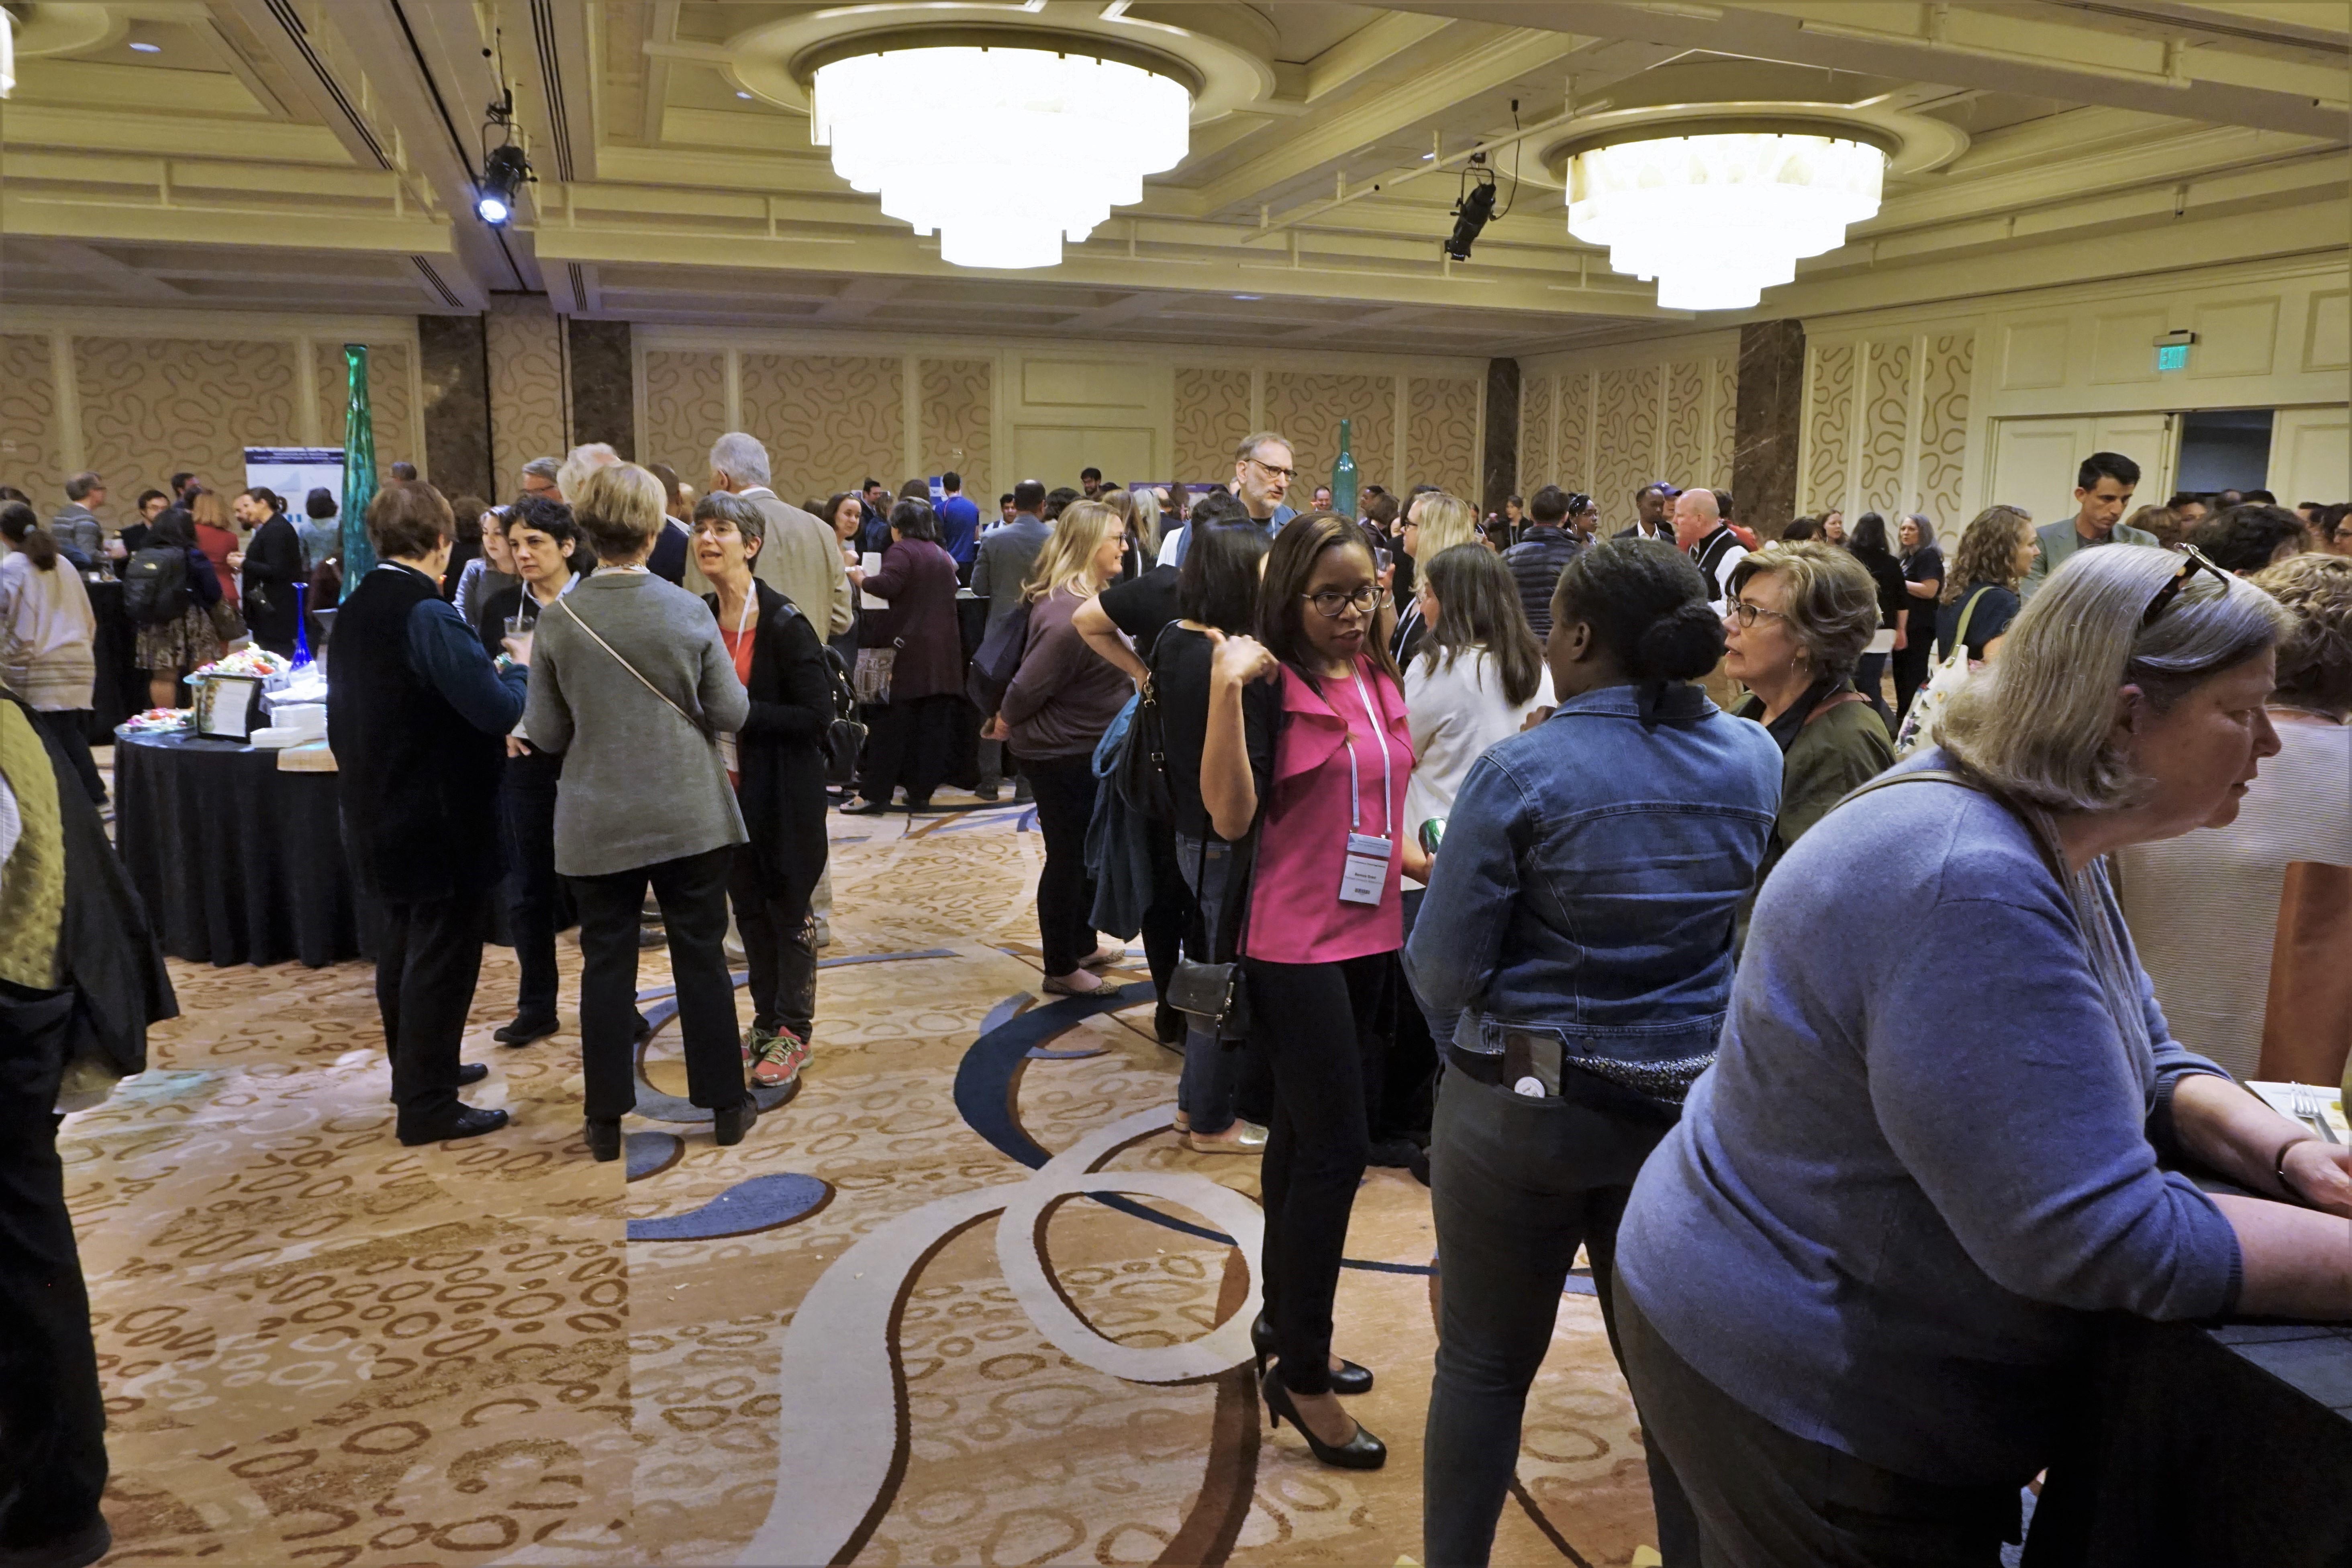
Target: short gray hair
point(578, 463)
point(749, 520)
point(2037, 724)
point(740, 457)
point(548, 468)
point(1249, 447)
point(1927, 527)
point(80, 485)
point(1833, 600)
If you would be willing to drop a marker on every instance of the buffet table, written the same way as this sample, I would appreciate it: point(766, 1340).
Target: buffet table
point(240, 861)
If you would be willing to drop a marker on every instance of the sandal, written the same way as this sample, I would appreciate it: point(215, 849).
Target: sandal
point(1066, 984)
point(777, 1059)
point(1104, 957)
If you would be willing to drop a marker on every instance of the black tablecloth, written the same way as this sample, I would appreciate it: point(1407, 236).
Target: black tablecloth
point(120, 690)
point(239, 862)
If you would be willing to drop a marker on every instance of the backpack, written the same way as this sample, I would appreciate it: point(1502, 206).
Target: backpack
point(845, 736)
point(155, 589)
point(1922, 723)
point(998, 660)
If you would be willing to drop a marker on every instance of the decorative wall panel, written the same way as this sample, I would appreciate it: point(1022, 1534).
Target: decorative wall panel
point(830, 421)
point(1308, 408)
point(31, 457)
point(1626, 440)
point(1684, 457)
point(1212, 418)
point(1538, 457)
point(955, 429)
point(686, 410)
point(1830, 440)
point(1886, 423)
point(1572, 468)
point(1722, 441)
point(151, 406)
point(398, 436)
point(1442, 434)
point(1949, 367)
point(529, 388)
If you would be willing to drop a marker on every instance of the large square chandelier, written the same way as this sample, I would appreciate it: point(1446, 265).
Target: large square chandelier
point(1004, 149)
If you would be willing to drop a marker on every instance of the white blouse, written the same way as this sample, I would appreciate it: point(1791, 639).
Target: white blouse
point(1455, 710)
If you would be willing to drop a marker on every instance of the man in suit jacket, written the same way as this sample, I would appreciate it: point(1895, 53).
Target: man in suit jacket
point(1653, 508)
point(76, 529)
point(1006, 556)
point(2103, 493)
point(801, 559)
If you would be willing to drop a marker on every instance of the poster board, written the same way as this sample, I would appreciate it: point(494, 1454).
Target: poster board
point(294, 471)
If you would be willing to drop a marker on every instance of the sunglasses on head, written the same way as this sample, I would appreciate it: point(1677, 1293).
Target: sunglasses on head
point(2193, 561)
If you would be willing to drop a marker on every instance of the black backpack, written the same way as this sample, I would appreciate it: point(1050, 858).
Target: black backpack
point(845, 738)
point(155, 586)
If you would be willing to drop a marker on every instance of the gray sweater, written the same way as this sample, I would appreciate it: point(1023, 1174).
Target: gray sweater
point(640, 785)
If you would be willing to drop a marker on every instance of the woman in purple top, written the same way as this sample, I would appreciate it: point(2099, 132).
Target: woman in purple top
point(1854, 1282)
point(914, 732)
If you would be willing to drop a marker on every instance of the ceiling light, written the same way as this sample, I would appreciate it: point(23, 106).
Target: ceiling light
point(504, 173)
point(1036, 148)
point(741, 94)
point(1717, 217)
point(147, 49)
point(1249, 296)
point(7, 51)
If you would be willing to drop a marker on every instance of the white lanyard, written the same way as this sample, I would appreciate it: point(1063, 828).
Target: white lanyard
point(1355, 781)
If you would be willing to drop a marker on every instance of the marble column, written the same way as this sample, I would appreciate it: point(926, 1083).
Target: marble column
point(1766, 424)
point(1500, 473)
point(456, 365)
point(603, 399)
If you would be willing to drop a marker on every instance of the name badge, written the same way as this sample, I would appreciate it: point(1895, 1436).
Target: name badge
point(1366, 874)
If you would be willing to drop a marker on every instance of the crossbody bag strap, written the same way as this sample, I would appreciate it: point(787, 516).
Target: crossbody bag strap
point(1960, 632)
point(702, 728)
point(2052, 860)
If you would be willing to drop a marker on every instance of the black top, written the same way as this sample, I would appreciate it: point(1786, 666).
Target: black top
point(1999, 606)
point(1925, 564)
point(273, 565)
point(667, 561)
point(781, 787)
point(1141, 607)
point(1180, 680)
point(1884, 571)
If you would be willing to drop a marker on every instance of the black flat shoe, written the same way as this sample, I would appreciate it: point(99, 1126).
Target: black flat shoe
point(472, 1072)
point(867, 809)
point(728, 1123)
point(523, 1031)
point(603, 1139)
point(1361, 1452)
point(466, 1122)
point(1350, 1379)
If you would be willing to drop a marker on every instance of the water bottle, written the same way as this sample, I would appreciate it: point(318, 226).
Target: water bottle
point(1343, 477)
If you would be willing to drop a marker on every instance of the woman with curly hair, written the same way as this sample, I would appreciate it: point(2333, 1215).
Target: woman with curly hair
point(1995, 554)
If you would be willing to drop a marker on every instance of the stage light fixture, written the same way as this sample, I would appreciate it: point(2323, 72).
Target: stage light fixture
point(504, 173)
point(1470, 215)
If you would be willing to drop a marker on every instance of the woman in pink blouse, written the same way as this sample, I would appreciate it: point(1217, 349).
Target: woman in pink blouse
point(1307, 744)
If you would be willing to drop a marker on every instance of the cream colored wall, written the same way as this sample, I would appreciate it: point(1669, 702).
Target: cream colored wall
point(835, 408)
point(139, 395)
point(1607, 421)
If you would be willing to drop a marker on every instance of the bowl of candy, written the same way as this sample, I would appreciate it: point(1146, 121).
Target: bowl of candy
point(156, 722)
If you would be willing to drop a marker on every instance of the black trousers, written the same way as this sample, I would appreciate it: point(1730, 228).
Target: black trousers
point(1064, 787)
point(779, 945)
point(429, 956)
point(1763, 1497)
point(1911, 663)
point(71, 729)
point(1516, 1187)
point(1165, 920)
point(692, 894)
point(910, 741)
point(534, 892)
point(1322, 1027)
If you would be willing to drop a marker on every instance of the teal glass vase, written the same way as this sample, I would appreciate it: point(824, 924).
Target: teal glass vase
point(1343, 477)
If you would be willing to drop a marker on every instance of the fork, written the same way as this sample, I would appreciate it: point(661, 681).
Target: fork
point(2309, 1107)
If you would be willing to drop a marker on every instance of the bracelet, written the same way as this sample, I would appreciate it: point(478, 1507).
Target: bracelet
point(2278, 1167)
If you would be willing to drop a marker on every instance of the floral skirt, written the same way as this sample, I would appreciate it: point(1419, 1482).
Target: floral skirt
point(179, 645)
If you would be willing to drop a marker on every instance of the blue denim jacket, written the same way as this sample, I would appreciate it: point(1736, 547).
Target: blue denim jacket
point(1588, 879)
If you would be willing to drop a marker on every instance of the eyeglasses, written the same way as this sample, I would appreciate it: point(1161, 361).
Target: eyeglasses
point(2192, 561)
point(1269, 468)
point(1746, 615)
point(1330, 604)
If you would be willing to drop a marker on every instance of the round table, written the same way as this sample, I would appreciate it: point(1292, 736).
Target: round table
point(239, 862)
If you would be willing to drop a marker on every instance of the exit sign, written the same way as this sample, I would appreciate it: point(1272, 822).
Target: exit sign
point(2173, 350)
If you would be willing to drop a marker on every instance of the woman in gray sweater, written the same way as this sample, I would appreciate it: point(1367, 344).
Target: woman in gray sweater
point(631, 685)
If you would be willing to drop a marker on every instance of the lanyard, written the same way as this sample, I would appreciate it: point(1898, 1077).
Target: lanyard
point(1356, 783)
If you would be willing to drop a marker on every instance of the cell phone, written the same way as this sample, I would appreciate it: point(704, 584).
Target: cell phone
point(1432, 832)
point(1380, 559)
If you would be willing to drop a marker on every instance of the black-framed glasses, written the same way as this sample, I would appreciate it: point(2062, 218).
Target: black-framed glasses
point(1331, 604)
point(2192, 561)
point(1269, 468)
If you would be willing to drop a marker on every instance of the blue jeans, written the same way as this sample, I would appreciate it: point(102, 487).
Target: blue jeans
point(1205, 1091)
point(1442, 1020)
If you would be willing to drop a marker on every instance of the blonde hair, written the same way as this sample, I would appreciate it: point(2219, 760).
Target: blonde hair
point(1445, 521)
point(619, 506)
point(1833, 600)
point(1068, 559)
point(1139, 510)
point(207, 508)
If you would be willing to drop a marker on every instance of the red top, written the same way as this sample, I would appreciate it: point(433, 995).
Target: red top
point(216, 544)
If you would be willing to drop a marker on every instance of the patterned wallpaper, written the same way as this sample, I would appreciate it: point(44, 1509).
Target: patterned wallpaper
point(1866, 449)
point(1535, 444)
point(1830, 437)
point(1441, 436)
point(1625, 444)
point(1212, 418)
point(29, 455)
point(1886, 414)
point(1684, 454)
point(829, 420)
point(1950, 362)
point(956, 428)
point(1572, 468)
point(1723, 447)
point(399, 437)
point(1308, 408)
point(151, 406)
point(529, 388)
point(686, 410)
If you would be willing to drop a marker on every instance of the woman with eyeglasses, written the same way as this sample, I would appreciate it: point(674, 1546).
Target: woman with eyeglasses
point(1435, 522)
point(1307, 753)
point(1859, 1282)
point(1799, 617)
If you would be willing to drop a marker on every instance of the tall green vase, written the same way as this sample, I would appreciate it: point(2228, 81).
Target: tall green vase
point(359, 469)
point(1343, 477)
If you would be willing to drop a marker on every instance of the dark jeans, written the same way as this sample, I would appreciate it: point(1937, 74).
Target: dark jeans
point(1516, 1187)
point(71, 730)
point(427, 957)
point(779, 945)
point(1762, 1497)
point(1204, 1089)
point(911, 743)
point(1065, 788)
point(692, 894)
point(534, 892)
point(1870, 675)
point(1165, 920)
point(1322, 1027)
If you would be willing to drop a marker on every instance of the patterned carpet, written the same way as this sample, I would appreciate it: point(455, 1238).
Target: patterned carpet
point(893, 1326)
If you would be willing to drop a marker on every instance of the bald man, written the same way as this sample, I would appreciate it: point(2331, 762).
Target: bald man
point(1700, 529)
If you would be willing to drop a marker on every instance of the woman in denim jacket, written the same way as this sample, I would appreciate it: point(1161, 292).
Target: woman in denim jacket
point(1581, 915)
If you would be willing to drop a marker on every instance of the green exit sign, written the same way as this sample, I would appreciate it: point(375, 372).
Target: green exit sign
point(2172, 356)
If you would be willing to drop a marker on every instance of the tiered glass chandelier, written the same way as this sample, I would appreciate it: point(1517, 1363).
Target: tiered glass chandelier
point(1717, 217)
point(1005, 151)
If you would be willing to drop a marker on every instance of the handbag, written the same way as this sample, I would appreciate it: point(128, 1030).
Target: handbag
point(1214, 992)
point(845, 733)
point(872, 680)
point(1139, 770)
point(1923, 723)
point(228, 625)
point(701, 725)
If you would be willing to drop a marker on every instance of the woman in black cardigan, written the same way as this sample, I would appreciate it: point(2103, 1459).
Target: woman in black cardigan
point(777, 765)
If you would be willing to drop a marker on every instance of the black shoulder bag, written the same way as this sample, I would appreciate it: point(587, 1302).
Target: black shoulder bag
point(1142, 775)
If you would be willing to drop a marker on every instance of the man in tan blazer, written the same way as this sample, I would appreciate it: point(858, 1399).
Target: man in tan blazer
point(800, 559)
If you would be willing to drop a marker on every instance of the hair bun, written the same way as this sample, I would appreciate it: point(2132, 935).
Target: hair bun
point(1684, 643)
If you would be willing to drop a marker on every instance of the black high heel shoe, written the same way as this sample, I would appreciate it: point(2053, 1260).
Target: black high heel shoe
point(1350, 1379)
point(1361, 1452)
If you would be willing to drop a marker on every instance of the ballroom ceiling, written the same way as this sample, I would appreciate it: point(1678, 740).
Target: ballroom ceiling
point(321, 154)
